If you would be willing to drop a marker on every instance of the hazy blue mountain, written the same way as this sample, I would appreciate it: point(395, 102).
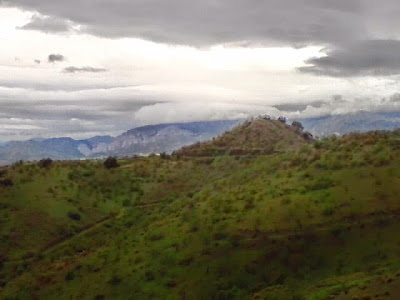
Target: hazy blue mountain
point(169, 137)
point(141, 140)
point(34, 149)
point(162, 138)
point(356, 122)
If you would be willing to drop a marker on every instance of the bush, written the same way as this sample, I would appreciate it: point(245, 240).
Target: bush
point(164, 155)
point(322, 184)
point(126, 203)
point(328, 211)
point(111, 162)
point(70, 276)
point(115, 280)
point(149, 276)
point(74, 216)
point(45, 163)
point(249, 204)
point(6, 183)
point(298, 125)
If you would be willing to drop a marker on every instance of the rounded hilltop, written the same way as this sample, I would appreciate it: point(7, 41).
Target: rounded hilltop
point(256, 136)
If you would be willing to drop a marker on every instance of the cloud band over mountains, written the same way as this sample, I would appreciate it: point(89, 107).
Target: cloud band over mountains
point(193, 60)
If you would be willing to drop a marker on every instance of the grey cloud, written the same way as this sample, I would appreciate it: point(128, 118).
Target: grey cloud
point(203, 23)
point(395, 98)
point(67, 109)
point(65, 117)
point(47, 24)
point(293, 107)
point(70, 86)
point(84, 70)
point(52, 58)
point(364, 58)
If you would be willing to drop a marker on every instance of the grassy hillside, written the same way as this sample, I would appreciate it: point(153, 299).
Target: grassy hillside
point(256, 137)
point(314, 221)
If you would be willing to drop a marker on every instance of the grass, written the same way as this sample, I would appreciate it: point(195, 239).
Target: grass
point(315, 222)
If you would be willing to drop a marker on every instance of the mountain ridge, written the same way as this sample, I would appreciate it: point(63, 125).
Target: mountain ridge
point(137, 141)
point(170, 137)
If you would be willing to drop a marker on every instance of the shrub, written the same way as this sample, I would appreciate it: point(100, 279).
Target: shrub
point(307, 136)
point(298, 125)
point(322, 184)
point(74, 216)
point(126, 203)
point(6, 183)
point(155, 236)
point(328, 211)
point(110, 163)
point(45, 163)
point(149, 276)
point(249, 204)
point(164, 155)
point(17, 164)
point(115, 280)
point(70, 276)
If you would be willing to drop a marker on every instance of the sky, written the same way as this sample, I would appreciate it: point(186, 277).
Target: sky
point(96, 67)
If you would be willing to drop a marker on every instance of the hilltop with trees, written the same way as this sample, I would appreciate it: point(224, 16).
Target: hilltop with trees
point(260, 136)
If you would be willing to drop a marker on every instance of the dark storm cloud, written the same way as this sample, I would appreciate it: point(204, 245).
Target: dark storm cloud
point(47, 24)
point(207, 22)
point(358, 32)
point(368, 24)
point(84, 70)
point(365, 58)
point(52, 58)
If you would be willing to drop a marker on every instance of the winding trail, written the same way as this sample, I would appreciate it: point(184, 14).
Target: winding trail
point(84, 230)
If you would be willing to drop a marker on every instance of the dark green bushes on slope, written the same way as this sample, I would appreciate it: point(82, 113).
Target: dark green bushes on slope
point(320, 221)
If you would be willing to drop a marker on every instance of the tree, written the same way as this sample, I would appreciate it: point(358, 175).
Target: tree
point(164, 155)
point(298, 125)
point(308, 136)
point(282, 119)
point(111, 162)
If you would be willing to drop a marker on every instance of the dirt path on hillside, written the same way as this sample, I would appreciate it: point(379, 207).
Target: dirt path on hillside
point(82, 231)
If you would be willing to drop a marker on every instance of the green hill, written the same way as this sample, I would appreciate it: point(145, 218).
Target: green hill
point(311, 221)
point(256, 137)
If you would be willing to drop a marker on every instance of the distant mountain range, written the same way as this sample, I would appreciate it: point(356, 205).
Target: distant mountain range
point(169, 137)
point(138, 141)
point(356, 122)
